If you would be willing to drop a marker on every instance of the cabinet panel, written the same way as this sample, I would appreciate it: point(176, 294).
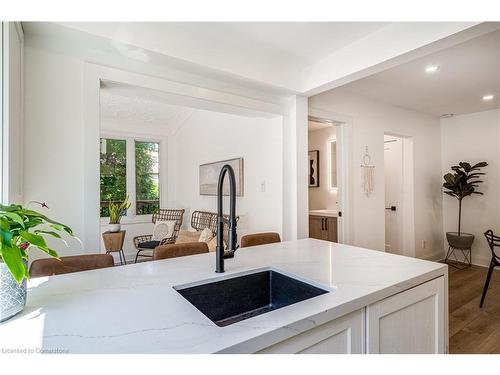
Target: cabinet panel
point(331, 228)
point(316, 227)
point(412, 321)
point(323, 228)
point(340, 336)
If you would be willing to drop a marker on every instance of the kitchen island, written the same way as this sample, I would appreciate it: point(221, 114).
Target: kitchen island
point(376, 303)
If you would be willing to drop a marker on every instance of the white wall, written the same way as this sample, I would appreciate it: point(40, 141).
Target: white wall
point(53, 138)
point(370, 119)
point(54, 153)
point(474, 137)
point(322, 197)
point(13, 41)
point(210, 136)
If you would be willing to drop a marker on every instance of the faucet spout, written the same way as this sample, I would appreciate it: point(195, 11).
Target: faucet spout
point(220, 254)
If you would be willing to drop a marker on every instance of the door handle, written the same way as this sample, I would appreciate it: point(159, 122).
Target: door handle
point(326, 223)
point(392, 208)
point(322, 223)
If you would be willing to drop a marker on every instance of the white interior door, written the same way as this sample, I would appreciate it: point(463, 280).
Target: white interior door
point(393, 173)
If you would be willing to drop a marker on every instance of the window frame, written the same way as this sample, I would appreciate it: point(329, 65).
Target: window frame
point(134, 141)
point(130, 176)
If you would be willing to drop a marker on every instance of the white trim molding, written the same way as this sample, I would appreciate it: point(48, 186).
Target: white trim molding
point(344, 173)
point(178, 93)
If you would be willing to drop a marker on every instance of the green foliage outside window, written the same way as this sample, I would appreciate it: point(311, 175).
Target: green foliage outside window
point(146, 177)
point(113, 173)
point(113, 177)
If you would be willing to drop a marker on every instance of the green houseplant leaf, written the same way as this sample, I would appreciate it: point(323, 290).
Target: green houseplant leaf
point(14, 260)
point(116, 210)
point(21, 229)
point(462, 182)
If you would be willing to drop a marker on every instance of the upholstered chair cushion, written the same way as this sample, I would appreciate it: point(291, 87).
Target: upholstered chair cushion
point(206, 235)
point(179, 250)
point(163, 229)
point(212, 244)
point(149, 244)
point(187, 236)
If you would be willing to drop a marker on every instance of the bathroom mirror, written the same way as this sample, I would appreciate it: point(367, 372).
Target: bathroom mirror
point(333, 164)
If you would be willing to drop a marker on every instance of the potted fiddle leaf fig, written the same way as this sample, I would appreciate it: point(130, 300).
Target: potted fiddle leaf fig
point(116, 211)
point(460, 183)
point(20, 230)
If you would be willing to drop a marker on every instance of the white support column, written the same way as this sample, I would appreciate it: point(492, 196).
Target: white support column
point(91, 224)
point(295, 190)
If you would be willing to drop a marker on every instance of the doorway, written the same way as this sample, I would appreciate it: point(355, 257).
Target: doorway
point(325, 160)
point(398, 185)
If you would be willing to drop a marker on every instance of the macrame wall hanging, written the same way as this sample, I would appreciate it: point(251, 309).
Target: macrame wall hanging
point(368, 173)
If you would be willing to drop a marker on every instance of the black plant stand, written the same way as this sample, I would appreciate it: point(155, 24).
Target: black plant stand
point(464, 254)
point(461, 245)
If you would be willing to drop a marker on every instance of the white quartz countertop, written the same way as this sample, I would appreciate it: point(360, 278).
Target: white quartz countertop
point(135, 309)
point(325, 212)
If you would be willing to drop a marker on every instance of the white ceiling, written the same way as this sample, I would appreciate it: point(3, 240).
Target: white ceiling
point(302, 42)
point(274, 52)
point(467, 72)
point(132, 106)
point(253, 58)
point(315, 125)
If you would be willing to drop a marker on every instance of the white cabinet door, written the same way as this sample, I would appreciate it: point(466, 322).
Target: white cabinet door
point(340, 336)
point(412, 321)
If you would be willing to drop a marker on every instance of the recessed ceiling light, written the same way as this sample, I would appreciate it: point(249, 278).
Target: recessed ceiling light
point(488, 97)
point(447, 115)
point(432, 68)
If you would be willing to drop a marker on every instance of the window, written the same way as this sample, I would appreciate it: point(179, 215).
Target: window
point(147, 177)
point(130, 167)
point(113, 173)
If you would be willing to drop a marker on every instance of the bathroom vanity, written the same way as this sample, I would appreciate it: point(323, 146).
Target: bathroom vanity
point(328, 298)
point(323, 225)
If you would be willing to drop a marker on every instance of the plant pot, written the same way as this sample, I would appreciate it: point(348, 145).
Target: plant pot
point(12, 294)
point(462, 242)
point(114, 227)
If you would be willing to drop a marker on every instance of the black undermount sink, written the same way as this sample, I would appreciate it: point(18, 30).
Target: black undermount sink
point(235, 299)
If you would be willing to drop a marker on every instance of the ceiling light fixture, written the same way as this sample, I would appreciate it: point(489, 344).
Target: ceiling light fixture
point(488, 97)
point(432, 68)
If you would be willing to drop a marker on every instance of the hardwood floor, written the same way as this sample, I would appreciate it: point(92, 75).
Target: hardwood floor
point(474, 330)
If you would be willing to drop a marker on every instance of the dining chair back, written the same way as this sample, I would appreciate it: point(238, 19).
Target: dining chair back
point(179, 250)
point(493, 242)
point(256, 239)
point(76, 263)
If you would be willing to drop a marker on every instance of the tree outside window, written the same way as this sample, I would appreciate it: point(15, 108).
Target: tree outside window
point(113, 181)
point(147, 177)
point(113, 175)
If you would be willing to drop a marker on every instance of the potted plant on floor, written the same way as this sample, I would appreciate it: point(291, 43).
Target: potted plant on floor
point(460, 183)
point(116, 211)
point(20, 230)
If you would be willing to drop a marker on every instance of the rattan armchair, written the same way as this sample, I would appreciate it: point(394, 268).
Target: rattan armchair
point(145, 244)
point(206, 219)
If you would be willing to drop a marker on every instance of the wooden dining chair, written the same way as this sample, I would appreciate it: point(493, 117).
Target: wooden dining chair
point(256, 239)
point(493, 241)
point(76, 263)
point(179, 250)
